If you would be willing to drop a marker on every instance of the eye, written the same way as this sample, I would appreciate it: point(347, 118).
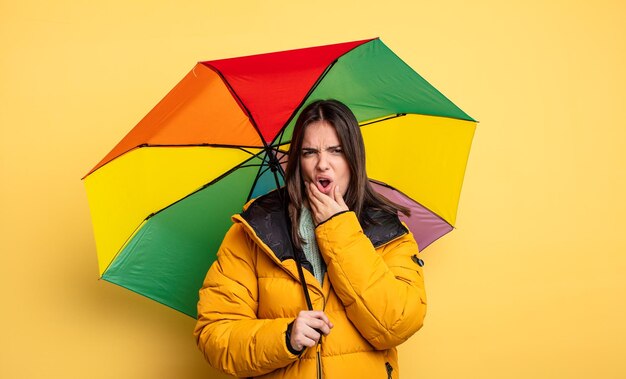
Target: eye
point(306, 153)
point(337, 150)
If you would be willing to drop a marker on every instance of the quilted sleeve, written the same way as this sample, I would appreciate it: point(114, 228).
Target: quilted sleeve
point(228, 332)
point(382, 290)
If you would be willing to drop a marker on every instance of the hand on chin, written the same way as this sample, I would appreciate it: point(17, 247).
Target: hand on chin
point(324, 202)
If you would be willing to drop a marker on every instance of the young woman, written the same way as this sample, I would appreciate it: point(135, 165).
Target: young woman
point(317, 279)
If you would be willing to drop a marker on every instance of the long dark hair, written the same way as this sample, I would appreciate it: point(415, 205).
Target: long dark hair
point(360, 194)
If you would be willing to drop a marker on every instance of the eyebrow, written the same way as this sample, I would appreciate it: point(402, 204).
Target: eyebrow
point(328, 148)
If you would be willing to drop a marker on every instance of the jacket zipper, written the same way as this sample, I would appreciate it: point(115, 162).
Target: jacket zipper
point(389, 369)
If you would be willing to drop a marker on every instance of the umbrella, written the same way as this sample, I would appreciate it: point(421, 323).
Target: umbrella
point(161, 200)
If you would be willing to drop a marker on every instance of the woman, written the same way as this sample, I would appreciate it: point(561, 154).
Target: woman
point(361, 291)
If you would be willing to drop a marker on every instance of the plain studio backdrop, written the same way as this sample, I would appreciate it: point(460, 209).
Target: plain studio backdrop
point(530, 284)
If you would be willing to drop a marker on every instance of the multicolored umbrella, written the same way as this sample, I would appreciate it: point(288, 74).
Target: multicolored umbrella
point(161, 200)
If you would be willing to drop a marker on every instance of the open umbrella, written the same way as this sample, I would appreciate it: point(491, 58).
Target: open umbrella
point(161, 200)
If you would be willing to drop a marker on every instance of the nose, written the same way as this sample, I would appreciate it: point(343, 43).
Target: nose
point(322, 162)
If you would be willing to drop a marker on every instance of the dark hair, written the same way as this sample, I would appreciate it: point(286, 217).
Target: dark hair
point(360, 193)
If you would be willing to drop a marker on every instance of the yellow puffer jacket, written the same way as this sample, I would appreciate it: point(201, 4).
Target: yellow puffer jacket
point(373, 293)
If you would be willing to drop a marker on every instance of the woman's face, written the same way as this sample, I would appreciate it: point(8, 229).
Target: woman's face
point(322, 160)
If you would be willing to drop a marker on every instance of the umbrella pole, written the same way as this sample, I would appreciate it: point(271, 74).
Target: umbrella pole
point(298, 257)
point(303, 281)
point(298, 254)
point(275, 167)
point(305, 288)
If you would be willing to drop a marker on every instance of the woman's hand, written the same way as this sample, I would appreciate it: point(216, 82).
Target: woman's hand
point(323, 206)
point(306, 328)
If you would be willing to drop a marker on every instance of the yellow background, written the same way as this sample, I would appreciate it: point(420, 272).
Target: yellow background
point(531, 284)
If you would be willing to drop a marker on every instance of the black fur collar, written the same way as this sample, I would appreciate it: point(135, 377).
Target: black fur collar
point(267, 215)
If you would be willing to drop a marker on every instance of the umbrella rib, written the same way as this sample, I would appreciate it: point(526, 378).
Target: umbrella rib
point(267, 168)
point(266, 146)
point(382, 184)
point(276, 177)
point(241, 147)
point(435, 240)
point(417, 114)
point(253, 165)
point(241, 165)
point(383, 119)
point(261, 172)
point(130, 236)
point(240, 102)
point(313, 87)
point(304, 99)
point(246, 151)
point(256, 179)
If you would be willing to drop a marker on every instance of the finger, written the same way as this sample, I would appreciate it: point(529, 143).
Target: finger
point(325, 329)
point(335, 193)
point(304, 317)
point(302, 333)
point(317, 193)
point(308, 342)
point(310, 314)
point(313, 198)
point(339, 198)
point(319, 326)
point(321, 316)
point(311, 334)
point(315, 202)
point(296, 343)
point(303, 341)
point(315, 189)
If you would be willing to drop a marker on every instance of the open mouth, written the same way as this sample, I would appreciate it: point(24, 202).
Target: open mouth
point(324, 182)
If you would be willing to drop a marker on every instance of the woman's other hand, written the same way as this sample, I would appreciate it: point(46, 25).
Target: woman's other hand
point(306, 328)
point(324, 206)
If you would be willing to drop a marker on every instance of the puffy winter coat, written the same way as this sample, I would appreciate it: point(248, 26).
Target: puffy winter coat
point(373, 293)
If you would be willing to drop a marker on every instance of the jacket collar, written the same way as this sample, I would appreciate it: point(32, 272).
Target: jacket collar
point(267, 216)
